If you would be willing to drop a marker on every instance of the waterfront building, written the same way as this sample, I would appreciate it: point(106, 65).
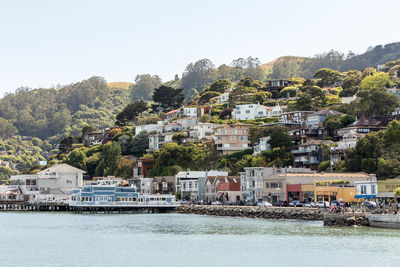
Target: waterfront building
point(229, 190)
point(54, 183)
point(292, 182)
point(251, 182)
point(232, 138)
point(366, 189)
point(191, 184)
point(100, 195)
point(164, 185)
point(212, 182)
point(146, 185)
point(386, 187)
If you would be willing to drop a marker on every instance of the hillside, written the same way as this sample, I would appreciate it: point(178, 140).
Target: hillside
point(289, 66)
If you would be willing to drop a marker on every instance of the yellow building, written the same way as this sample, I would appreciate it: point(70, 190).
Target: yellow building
point(330, 193)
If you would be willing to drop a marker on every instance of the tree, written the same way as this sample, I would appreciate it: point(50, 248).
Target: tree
point(206, 96)
point(7, 129)
point(328, 77)
point(144, 87)
point(124, 168)
point(374, 100)
point(139, 144)
point(197, 75)
point(167, 98)
point(304, 102)
point(131, 112)
point(392, 133)
point(110, 154)
point(77, 158)
point(280, 138)
point(178, 137)
point(220, 86)
point(350, 83)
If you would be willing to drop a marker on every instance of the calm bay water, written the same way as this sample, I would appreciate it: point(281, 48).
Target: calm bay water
point(64, 239)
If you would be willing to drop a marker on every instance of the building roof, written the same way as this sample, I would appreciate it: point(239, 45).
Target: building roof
point(223, 179)
point(329, 174)
point(326, 112)
point(312, 141)
point(173, 111)
point(61, 168)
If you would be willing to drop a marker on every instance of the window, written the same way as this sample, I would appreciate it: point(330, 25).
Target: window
point(247, 111)
point(373, 189)
point(363, 190)
point(220, 138)
point(238, 112)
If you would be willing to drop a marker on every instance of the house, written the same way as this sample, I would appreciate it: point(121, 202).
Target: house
point(263, 145)
point(142, 167)
point(164, 185)
point(147, 127)
point(348, 99)
point(146, 186)
point(366, 189)
point(249, 112)
point(194, 112)
point(362, 125)
point(169, 116)
point(302, 134)
point(157, 140)
point(92, 138)
point(191, 184)
point(203, 131)
point(251, 183)
point(229, 191)
point(276, 84)
point(222, 99)
point(187, 122)
point(296, 117)
point(308, 154)
point(55, 182)
point(275, 111)
point(232, 138)
point(212, 182)
point(349, 140)
point(317, 118)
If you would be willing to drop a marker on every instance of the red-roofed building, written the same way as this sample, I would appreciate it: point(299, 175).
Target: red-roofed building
point(229, 191)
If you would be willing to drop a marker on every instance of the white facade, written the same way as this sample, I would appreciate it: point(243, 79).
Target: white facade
point(194, 112)
point(146, 185)
point(349, 140)
point(251, 182)
point(366, 189)
point(262, 145)
point(148, 127)
point(56, 181)
point(348, 99)
point(249, 112)
point(191, 183)
point(187, 122)
point(203, 131)
point(156, 141)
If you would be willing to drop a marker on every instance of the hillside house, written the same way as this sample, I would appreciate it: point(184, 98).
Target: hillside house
point(232, 138)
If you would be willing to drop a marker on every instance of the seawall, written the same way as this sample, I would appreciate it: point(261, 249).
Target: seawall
point(309, 214)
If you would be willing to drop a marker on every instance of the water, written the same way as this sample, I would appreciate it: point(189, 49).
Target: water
point(65, 239)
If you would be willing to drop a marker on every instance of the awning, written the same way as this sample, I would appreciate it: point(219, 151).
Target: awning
point(385, 195)
point(365, 196)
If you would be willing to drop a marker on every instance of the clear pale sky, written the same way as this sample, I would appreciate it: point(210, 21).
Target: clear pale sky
point(44, 43)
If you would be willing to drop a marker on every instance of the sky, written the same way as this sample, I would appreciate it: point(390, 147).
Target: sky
point(45, 43)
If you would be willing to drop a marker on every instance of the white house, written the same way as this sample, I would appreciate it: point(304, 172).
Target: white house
point(148, 127)
point(146, 185)
point(56, 182)
point(222, 99)
point(251, 182)
point(366, 189)
point(187, 122)
point(194, 112)
point(349, 140)
point(262, 145)
point(191, 183)
point(249, 112)
point(203, 130)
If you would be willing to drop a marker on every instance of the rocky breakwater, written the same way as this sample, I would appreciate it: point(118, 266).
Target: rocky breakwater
point(254, 212)
point(309, 214)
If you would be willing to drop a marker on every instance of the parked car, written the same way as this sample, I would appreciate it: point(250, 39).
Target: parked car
point(299, 204)
point(281, 203)
point(370, 204)
point(216, 203)
point(309, 205)
point(184, 202)
point(264, 204)
point(293, 203)
point(323, 204)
